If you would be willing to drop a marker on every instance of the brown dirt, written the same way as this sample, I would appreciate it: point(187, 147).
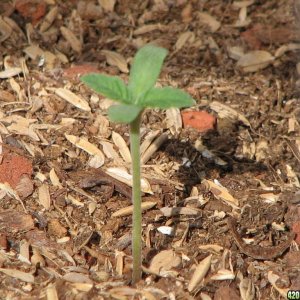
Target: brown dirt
point(234, 189)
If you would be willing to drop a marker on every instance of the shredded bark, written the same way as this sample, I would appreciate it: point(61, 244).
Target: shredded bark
point(256, 251)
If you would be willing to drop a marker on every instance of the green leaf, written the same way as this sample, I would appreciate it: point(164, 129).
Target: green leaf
point(109, 86)
point(145, 70)
point(124, 113)
point(167, 97)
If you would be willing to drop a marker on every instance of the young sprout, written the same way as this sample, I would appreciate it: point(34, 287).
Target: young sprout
point(140, 93)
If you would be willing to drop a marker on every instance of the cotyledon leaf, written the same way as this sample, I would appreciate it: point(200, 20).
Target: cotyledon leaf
point(109, 86)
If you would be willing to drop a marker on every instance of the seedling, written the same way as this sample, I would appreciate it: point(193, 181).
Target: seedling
point(140, 93)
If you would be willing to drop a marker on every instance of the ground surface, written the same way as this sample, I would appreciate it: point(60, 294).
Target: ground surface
point(226, 192)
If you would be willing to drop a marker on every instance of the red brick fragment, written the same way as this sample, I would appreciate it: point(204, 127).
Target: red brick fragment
point(80, 70)
point(3, 241)
point(13, 167)
point(200, 120)
point(296, 229)
point(31, 9)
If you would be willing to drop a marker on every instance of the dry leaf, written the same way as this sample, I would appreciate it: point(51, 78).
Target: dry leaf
point(129, 209)
point(255, 60)
point(199, 273)
point(117, 60)
point(210, 21)
point(73, 99)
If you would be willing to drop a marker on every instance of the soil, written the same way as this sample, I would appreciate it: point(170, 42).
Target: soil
point(221, 188)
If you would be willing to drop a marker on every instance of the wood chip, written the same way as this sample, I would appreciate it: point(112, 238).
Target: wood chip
point(184, 39)
point(11, 72)
point(73, 99)
point(211, 247)
point(164, 261)
point(86, 146)
point(44, 196)
point(272, 277)
point(220, 193)
point(148, 140)
point(199, 273)
point(154, 147)
point(129, 209)
point(224, 111)
point(123, 176)
point(110, 152)
point(71, 39)
point(26, 277)
point(49, 19)
point(54, 179)
point(254, 61)
point(24, 252)
point(223, 274)
point(107, 5)
point(77, 278)
point(149, 28)
point(174, 120)
point(257, 251)
point(209, 20)
point(34, 52)
point(117, 60)
point(5, 30)
point(175, 211)
point(51, 292)
point(122, 146)
point(15, 221)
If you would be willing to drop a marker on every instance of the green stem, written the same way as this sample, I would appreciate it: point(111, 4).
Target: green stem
point(136, 199)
